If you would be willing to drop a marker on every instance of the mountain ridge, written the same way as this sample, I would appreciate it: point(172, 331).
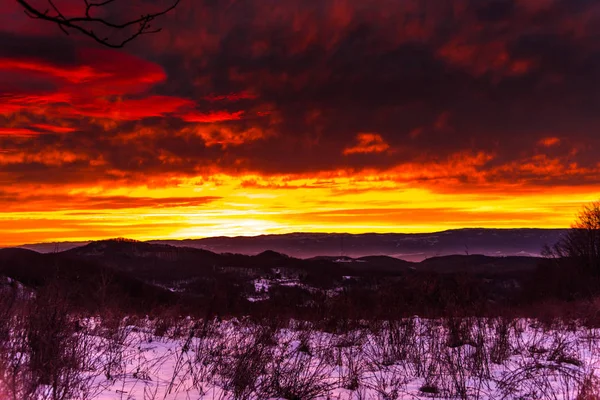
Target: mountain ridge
point(406, 246)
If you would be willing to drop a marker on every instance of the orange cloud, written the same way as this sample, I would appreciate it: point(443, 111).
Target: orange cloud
point(89, 87)
point(520, 67)
point(131, 109)
point(231, 96)
point(549, 141)
point(24, 132)
point(477, 57)
point(216, 135)
point(47, 157)
point(541, 167)
point(78, 74)
point(57, 202)
point(367, 143)
point(54, 128)
point(119, 73)
point(35, 103)
point(214, 116)
point(100, 70)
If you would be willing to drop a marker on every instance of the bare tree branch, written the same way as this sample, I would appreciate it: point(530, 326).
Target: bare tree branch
point(83, 24)
point(582, 242)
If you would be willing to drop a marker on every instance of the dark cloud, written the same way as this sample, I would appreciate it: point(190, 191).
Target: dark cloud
point(283, 87)
point(50, 49)
point(494, 10)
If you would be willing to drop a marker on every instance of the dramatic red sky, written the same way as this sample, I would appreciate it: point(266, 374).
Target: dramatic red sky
point(245, 117)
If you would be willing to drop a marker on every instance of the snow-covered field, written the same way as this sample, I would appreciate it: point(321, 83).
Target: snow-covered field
point(407, 359)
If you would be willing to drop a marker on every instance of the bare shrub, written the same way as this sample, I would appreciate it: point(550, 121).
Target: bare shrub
point(14, 382)
point(501, 347)
point(116, 339)
point(48, 354)
point(296, 375)
point(455, 369)
point(389, 354)
point(350, 359)
point(539, 372)
point(590, 388)
point(247, 361)
point(459, 331)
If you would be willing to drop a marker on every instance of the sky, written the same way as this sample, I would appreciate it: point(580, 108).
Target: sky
point(247, 117)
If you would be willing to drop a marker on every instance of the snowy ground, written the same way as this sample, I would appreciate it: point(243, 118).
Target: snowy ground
point(408, 359)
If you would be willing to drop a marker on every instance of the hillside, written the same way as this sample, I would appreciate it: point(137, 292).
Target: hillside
point(237, 283)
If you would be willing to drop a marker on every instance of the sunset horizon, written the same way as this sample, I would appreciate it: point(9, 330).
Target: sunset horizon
point(290, 233)
point(294, 116)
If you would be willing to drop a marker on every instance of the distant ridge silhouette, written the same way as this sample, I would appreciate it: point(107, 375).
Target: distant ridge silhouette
point(406, 246)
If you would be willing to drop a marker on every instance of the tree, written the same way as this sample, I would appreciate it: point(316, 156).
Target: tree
point(582, 242)
point(90, 23)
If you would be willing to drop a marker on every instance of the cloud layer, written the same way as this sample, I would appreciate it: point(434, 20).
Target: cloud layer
point(489, 100)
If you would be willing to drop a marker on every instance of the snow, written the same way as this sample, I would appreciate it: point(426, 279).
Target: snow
point(387, 360)
point(254, 299)
point(262, 285)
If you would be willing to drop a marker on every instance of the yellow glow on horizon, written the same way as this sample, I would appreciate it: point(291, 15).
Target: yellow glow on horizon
point(251, 205)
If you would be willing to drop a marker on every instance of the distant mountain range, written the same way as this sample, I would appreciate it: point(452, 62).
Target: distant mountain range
point(413, 247)
point(140, 275)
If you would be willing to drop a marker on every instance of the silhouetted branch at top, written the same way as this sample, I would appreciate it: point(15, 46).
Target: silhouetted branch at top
point(85, 23)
